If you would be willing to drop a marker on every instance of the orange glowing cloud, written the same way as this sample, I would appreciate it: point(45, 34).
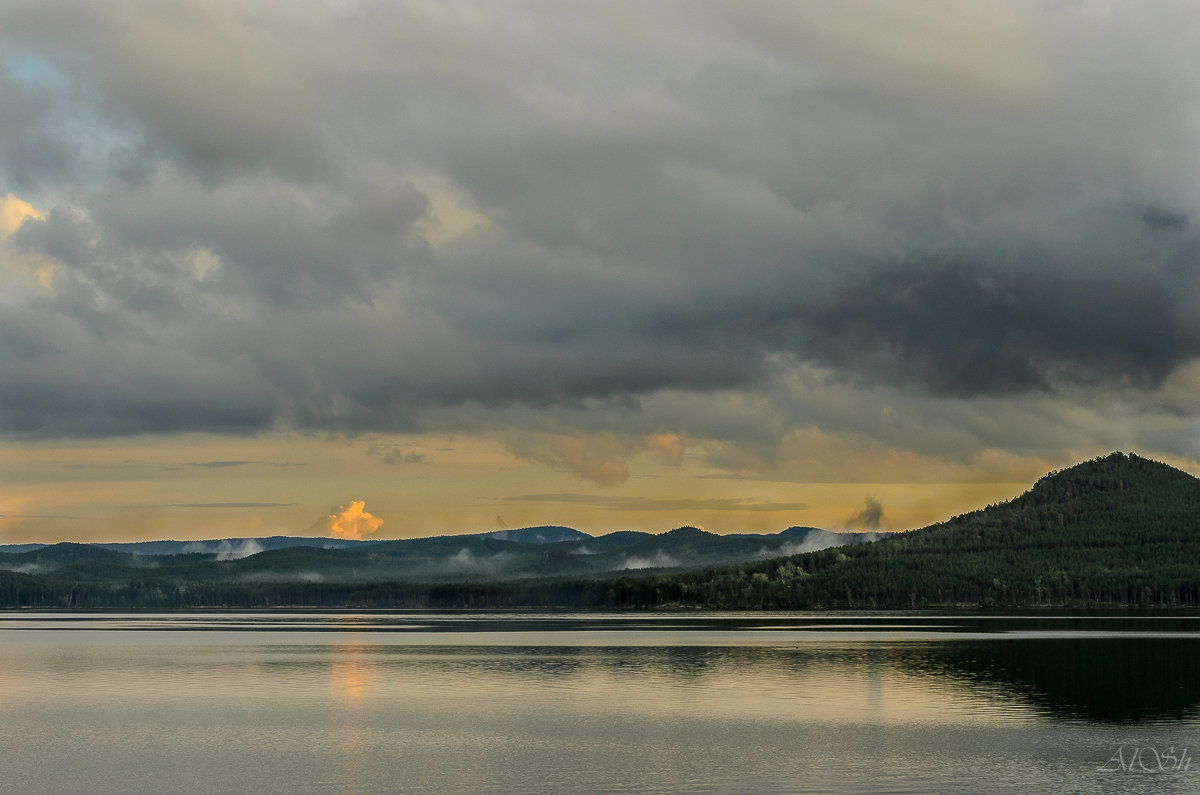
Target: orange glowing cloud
point(13, 211)
point(350, 521)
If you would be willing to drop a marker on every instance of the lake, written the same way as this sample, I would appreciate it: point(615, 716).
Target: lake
point(550, 702)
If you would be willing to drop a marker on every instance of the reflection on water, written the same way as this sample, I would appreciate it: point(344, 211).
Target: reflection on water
point(1106, 679)
point(379, 702)
point(352, 674)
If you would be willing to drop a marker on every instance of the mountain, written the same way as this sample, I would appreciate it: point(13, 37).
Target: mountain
point(243, 547)
point(1117, 530)
point(232, 548)
point(43, 558)
point(547, 534)
point(290, 570)
point(229, 548)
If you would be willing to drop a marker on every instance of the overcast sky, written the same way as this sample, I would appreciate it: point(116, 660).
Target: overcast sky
point(611, 264)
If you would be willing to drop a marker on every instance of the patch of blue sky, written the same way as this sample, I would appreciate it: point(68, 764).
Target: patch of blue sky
point(71, 114)
point(31, 69)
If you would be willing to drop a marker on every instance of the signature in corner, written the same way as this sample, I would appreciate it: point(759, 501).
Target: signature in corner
point(1146, 759)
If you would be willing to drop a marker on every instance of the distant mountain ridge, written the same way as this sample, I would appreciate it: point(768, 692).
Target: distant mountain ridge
point(243, 547)
point(225, 571)
point(233, 548)
point(545, 534)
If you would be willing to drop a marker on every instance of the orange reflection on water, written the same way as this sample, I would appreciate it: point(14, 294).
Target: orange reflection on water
point(352, 675)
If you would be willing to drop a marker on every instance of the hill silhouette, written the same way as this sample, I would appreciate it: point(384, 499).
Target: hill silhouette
point(283, 571)
point(1119, 530)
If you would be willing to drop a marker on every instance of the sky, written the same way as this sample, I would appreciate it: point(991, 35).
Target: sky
point(392, 269)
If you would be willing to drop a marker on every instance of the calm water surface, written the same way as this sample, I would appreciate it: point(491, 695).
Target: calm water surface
point(416, 702)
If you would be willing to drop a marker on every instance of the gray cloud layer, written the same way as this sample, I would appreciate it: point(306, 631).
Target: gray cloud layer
point(726, 221)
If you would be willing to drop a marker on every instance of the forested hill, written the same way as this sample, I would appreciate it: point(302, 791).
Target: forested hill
point(1116, 530)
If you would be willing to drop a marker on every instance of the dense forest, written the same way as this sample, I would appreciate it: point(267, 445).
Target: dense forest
point(1118, 530)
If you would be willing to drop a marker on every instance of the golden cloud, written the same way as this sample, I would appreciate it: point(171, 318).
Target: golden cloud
point(350, 521)
point(14, 211)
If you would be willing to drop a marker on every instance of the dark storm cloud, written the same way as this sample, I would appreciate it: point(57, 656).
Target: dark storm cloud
point(966, 330)
point(970, 331)
point(600, 218)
